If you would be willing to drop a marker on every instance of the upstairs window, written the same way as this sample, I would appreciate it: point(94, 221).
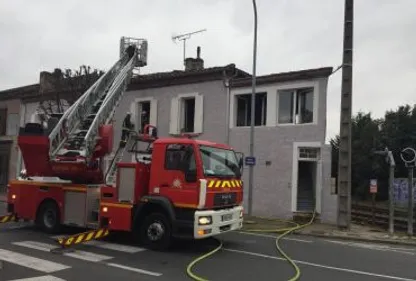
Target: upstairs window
point(243, 105)
point(186, 114)
point(296, 106)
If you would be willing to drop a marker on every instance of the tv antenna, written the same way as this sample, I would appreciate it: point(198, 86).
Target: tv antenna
point(184, 37)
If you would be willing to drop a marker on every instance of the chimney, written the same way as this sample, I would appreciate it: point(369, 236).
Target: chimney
point(192, 64)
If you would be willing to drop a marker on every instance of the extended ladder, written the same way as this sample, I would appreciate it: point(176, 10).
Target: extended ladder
point(75, 136)
point(111, 172)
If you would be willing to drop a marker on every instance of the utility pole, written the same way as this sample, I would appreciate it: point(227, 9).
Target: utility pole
point(184, 37)
point(344, 162)
point(253, 102)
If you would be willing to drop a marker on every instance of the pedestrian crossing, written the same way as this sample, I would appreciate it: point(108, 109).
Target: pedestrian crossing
point(37, 256)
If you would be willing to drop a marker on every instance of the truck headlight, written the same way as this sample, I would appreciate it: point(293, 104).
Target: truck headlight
point(205, 220)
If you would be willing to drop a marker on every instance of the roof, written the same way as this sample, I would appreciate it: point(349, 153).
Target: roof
point(180, 77)
point(153, 80)
point(305, 74)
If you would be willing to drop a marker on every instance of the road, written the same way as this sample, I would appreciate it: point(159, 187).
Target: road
point(26, 254)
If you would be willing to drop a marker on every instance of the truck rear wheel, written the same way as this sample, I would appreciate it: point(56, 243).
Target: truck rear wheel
point(48, 218)
point(156, 232)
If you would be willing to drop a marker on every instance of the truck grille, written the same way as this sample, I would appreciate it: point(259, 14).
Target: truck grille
point(224, 199)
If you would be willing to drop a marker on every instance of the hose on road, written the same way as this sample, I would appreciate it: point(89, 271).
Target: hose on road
point(285, 231)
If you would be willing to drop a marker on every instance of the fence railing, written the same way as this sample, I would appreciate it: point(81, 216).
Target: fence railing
point(379, 215)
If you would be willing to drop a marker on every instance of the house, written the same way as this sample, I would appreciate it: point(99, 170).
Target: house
point(293, 163)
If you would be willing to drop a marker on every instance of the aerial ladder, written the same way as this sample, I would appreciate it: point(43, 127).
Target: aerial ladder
point(81, 137)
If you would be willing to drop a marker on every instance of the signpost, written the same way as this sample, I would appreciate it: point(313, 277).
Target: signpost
point(373, 191)
point(408, 156)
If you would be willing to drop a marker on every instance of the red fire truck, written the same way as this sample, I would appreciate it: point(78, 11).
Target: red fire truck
point(173, 187)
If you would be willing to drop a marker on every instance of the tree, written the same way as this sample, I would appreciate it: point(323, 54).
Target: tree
point(396, 131)
point(59, 90)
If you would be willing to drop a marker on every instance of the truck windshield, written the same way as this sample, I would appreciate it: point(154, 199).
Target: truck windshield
point(219, 162)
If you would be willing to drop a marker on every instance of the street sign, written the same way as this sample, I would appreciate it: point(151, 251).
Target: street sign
point(250, 161)
point(373, 186)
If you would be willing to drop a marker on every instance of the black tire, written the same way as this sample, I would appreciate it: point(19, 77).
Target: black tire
point(48, 218)
point(153, 223)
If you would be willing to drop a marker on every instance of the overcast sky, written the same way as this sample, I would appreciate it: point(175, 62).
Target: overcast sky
point(293, 34)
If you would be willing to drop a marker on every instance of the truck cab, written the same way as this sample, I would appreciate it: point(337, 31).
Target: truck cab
point(194, 191)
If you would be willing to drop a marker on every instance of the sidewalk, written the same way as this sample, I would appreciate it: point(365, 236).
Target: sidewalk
point(363, 233)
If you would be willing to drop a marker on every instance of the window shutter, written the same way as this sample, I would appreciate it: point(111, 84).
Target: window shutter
point(199, 114)
point(153, 112)
point(174, 116)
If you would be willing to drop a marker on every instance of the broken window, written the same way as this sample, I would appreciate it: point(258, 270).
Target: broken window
point(243, 103)
point(296, 106)
point(188, 115)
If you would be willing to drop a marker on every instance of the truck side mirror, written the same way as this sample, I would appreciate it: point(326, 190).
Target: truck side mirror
point(240, 157)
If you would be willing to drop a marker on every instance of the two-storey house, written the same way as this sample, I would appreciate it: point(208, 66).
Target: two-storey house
point(293, 163)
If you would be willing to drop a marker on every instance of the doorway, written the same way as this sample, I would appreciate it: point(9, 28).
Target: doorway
point(306, 193)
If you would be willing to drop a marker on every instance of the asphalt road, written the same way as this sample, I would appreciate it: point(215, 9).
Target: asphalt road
point(25, 253)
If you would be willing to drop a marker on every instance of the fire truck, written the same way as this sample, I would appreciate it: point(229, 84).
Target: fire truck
point(170, 187)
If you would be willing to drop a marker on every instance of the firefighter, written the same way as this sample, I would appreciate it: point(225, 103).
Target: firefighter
point(127, 126)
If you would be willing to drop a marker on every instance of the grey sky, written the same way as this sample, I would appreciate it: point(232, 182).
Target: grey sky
point(293, 34)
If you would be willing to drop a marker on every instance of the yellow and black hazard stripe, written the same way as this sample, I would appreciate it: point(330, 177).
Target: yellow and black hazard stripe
point(83, 237)
point(8, 218)
point(225, 183)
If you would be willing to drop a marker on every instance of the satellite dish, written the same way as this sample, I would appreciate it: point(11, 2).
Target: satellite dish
point(408, 155)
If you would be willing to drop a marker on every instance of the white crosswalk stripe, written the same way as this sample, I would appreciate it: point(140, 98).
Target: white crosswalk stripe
point(40, 278)
point(109, 246)
point(77, 254)
point(31, 262)
point(49, 266)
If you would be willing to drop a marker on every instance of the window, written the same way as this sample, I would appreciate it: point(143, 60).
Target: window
point(144, 111)
point(309, 153)
point(180, 157)
point(243, 103)
point(186, 114)
point(13, 122)
point(296, 106)
point(143, 115)
point(3, 122)
point(219, 162)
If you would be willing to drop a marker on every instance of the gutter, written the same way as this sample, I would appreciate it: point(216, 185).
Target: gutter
point(227, 84)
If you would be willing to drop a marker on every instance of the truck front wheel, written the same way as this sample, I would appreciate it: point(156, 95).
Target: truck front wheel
point(156, 232)
point(48, 218)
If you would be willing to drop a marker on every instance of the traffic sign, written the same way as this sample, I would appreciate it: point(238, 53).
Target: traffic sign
point(250, 161)
point(373, 186)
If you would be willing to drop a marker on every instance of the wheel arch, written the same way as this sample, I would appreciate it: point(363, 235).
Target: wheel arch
point(153, 204)
point(44, 202)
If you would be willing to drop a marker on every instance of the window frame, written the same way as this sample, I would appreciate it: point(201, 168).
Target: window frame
point(264, 114)
point(296, 101)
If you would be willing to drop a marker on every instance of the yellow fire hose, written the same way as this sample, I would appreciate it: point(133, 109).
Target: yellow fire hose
point(285, 231)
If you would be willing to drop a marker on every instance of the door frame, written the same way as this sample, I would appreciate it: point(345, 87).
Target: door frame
point(318, 183)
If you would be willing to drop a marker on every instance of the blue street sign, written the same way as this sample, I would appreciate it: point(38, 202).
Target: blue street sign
point(250, 161)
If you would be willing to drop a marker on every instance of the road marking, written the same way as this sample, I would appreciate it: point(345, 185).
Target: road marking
point(115, 247)
point(82, 255)
point(109, 246)
point(376, 247)
point(138, 270)
point(322, 266)
point(273, 236)
point(40, 278)
point(31, 262)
